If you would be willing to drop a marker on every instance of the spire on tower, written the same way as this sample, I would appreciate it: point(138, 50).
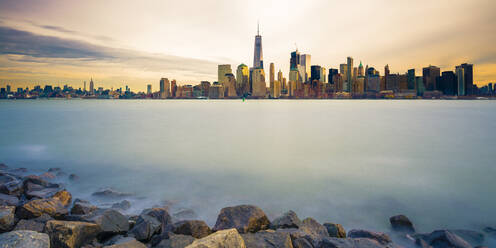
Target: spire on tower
point(258, 27)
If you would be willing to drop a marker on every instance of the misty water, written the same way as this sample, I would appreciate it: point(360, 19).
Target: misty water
point(352, 162)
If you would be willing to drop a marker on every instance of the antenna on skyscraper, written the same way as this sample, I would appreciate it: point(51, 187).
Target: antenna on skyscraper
point(258, 27)
point(296, 46)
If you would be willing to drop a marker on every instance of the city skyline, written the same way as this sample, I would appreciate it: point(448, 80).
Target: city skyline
point(48, 53)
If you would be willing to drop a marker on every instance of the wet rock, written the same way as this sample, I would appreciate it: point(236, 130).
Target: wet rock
point(442, 239)
point(123, 205)
point(401, 223)
point(335, 230)
point(287, 220)
point(352, 243)
point(7, 218)
point(71, 234)
point(47, 176)
point(35, 208)
point(8, 200)
point(245, 218)
point(125, 242)
point(472, 237)
point(36, 187)
point(64, 197)
point(73, 177)
point(30, 225)
point(10, 184)
point(160, 214)
point(195, 228)
point(110, 193)
point(185, 214)
point(110, 222)
point(175, 241)
point(146, 226)
point(302, 243)
point(267, 238)
point(24, 239)
point(228, 238)
point(314, 231)
point(82, 207)
point(380, 237)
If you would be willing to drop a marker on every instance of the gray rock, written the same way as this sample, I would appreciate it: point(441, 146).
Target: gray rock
point(30, 225)
point(472, 237)
point(10, 184)
point(125, 242)
point(314, 231)
point(110, 221)
point(146, 226)
point(38, 188)
point(380, 237)
point(160, 214)
point(36, 208)
point(110, 193)
point(195, 228)
point(7, 218)
point(302, 243)
point(82, 207)
point(267, 239)
point(352, 243)
point(287, 220)
point(175, 241)
point(245, 218)
point(9, 200)
point(123, 205)
point(228, 238)
point(71, 234)
point(401, 223)
point(335, 230)
point(24, 239)
point(442, 239)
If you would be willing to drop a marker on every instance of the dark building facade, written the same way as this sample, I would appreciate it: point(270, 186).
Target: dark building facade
point(447, 83)
point(315, 72)
point(331, 74)
point(429, 75)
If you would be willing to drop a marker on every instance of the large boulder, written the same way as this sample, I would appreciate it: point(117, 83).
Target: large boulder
point(9, 200)
point(472, 237)
point(380, 237)
point(287, 220)
point(352, 243)
point(64, 197)
point(36, 208)
point(195, 228)
point(110, 193)
point(442, 239)
point(24, 239)
point(245, 218)
point(123, 205)
point(10, 184)
point(229, 238)
point(110, 221)
point(7, 218)
point(401, 223)
point(38, 188)
point(82, 207)
point(175, 241)
point(146, 226)
point(267, 238)
point(71, 234)
point(30, 225)
point(161, 215)
point(125, 242)
point(314, 230)
point(302, 243)
point(335, 230)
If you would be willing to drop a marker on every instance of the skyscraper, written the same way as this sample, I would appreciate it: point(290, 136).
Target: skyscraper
point(222, 70)
point(468, 70)
point(242, 80)
point(258, 56)
point(164, 88)
point(349, 74)
point(295, 60)
point(259, 86)
point(92, 87)
point(305, 61)
point(360, 70)
point(315, 73)
point(460, 77)
point(429, 74)
point(272, 73)
point(411, 79)
point(149, 89)
point(173, 88)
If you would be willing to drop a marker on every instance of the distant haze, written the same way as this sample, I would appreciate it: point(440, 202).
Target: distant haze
point(136, 43)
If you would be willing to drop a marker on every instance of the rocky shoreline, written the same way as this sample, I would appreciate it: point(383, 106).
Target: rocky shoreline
point(37, 211)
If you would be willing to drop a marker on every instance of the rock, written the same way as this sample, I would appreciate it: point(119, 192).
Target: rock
point(10, 184)
point(7, 218)
point(123, 205)
point(287, 220)
point(47, 176)
point(175, 241)
point(110, 193)
point(302, 243)
point(71, 234)
point(196, 228)
point(82, 207)
point(35, 208)
point(73, 177)
point(110, 222)
point(126, 242)
point(3, 166)
point(146, 226)
point(380, 237)
point(64, 197)
point(228, 238)
point(36, 187)
point(24, 239)
point(442, 239)
point(30, 225)
point(245, 218)
point(491, 231)
point(352, 243)
point(185, 214)
point(472, 237)
point(335, 230)
point(401, 223)
point(314, 230)
point(267, 238)
point(8, 200)
point(161, 215)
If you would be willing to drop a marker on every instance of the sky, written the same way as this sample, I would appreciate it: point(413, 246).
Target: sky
point(135, 43)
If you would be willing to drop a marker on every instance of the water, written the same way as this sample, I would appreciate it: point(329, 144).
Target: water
point(350, 162)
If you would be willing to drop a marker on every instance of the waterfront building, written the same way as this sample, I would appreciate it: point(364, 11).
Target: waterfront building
point(349, 74)
point(222, 70)
point(258, 53)
point(230, 86)
point(259, 85)
point(360, 70)
point(447, 83)
point(294, 76)
point(173, 88)
point(373, 83)
point(305, 61)
point(411, 79)
point(279, 78)
point(294, 61)
point(429, 75)
point(468, 71)
point(164, 88)
point(460, 77)
point(205, 87)
point(242, 80)
point(419, 85)
point(323, 74)
point(331, 74)
point(315, 73)
point(149, 89)
point(216, 91)
point(272, 73)
point(92, 87)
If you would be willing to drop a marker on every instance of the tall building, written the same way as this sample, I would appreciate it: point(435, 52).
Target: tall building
point(315, 73)
point(8, 88)
point(360, 70)
point(305, 61)
point(205, 87)
point(331, 74)
point(343, 70)
point(242, 80)
point(323, 74)
point(272, 73)
point(468, 70)
point(411, 79)
point(279, 78)
point(460, 77)
point(447, 83)
point(349, 74)
point(259, 86)
point(164, 88)
point(419, 85)
point(149, 89)
point(258, 55)
point(92, 87)
point(295, 60)
point(84, 86)
point(429, 75)
point(230, 86)
point(222, 70)
point(173, 88)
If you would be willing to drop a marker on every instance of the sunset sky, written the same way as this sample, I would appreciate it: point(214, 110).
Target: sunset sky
point(136, 43)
